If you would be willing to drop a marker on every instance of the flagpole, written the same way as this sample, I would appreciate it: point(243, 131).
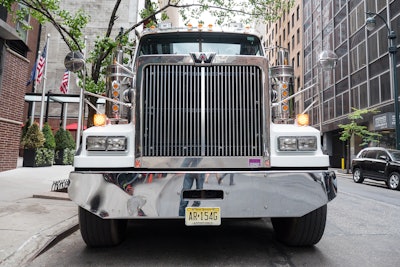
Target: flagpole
point(34, 88)
point(66, 105)
point(44, 82)
point(81, 103)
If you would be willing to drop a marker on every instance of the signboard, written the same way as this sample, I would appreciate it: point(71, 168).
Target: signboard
point(385, 121)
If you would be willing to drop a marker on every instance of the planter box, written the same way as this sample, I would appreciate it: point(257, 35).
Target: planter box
point(64, 157)
point(41, 157)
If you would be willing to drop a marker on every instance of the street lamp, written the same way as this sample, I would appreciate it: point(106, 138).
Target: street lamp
point(327, 60)
point(370, 24)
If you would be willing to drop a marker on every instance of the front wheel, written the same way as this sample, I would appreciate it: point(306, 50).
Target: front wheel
point(301, 231)
point(357, 175)
point(394, 181)
point(98, 232)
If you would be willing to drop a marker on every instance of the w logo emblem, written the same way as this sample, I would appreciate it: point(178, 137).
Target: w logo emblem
point(203, 57)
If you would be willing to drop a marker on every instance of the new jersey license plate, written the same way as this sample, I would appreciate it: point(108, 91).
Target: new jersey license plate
point(202, 216)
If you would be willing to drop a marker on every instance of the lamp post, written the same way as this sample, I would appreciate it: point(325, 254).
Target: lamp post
point(327, 60)
point(370, 25)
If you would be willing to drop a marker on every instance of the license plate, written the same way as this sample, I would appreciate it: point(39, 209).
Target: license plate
point(202, 216)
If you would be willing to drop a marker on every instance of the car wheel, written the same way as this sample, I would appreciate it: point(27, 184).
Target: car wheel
point(358, 176)
point(394, 181)
point(301, 231)
point(98, 232)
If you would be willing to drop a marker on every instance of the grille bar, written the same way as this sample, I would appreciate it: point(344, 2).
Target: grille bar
point(202, 110)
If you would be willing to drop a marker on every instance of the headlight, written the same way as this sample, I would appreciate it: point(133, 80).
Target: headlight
point(106, 143)
point(307, 143)
point(297, 143)
point(287, 143)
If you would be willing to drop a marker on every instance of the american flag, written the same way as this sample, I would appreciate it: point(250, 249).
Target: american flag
point(41, 65)
point(64, 82)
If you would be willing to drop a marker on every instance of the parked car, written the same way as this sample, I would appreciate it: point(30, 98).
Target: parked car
point(379, 164)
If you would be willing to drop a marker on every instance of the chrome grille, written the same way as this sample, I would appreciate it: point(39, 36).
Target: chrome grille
point(202, 110)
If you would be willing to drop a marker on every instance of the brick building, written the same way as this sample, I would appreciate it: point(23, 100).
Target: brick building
point(17, 56)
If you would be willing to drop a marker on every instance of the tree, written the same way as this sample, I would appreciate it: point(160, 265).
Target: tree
point(71, 26)
point(353, 129)
point(49, 142)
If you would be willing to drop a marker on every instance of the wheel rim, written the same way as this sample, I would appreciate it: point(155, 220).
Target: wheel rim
point(356, 175)
point(394, 181)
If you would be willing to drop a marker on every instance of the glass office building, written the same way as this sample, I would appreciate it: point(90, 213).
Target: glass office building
point(361, 78)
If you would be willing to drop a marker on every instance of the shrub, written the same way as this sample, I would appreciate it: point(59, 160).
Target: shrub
point(71, 141)
point(61, 139)
point(50, 142)
point(25, 129)
point(33, 138)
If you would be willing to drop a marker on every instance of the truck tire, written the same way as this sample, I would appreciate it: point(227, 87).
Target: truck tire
point(301, 231)
point(98, 232)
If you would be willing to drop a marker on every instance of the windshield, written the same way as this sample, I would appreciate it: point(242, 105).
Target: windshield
point(188, 42)
point(395, 154)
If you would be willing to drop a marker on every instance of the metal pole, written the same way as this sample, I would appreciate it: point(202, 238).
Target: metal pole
point(64, 125)
point(47, 106)
point(81, 104)
point(393, 51)
point(393, 71)
point(320, 101)
point(44, 83)
point(34, 88)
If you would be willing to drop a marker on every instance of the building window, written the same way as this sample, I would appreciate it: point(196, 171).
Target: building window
point(298, 59)
point(298, 12)
point(298, 36)
point(293, 42)
point(292, 20)
point(21, 25)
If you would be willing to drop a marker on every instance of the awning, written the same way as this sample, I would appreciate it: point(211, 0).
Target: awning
point(73, 127)
point(59, 98)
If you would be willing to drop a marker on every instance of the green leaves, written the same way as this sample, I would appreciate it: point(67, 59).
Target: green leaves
point(33, 138)
point(353, 129)
point(225, 11)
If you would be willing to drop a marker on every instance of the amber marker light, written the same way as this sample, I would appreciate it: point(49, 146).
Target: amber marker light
point(210, 27)
point(115, 85)
point(99, 119)
point(302, 120)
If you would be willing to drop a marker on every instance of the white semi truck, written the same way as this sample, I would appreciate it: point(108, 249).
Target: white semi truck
point(190, 133)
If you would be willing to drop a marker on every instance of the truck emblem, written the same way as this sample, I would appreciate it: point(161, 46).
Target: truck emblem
point(202, 57)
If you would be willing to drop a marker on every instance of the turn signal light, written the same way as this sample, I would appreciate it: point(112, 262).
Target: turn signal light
point(99, 119)
point(302, 120)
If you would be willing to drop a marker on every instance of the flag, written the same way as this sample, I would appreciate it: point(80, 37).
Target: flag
point(33, 74)
point(64, 82)
point(41, 65)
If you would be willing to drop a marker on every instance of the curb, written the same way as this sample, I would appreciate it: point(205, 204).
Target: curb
point(41, 241)
point(52, 195)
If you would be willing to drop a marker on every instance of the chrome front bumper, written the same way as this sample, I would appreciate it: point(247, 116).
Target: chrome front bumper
point(239, 194)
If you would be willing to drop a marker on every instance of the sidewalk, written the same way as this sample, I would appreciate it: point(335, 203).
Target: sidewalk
point(31, 216)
